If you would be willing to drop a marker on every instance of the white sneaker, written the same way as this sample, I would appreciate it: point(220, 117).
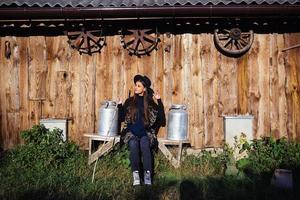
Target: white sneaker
point(136, 178)
point(147, 178)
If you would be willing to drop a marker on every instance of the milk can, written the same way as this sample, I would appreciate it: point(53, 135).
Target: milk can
point(177, 123)
point(108, 119)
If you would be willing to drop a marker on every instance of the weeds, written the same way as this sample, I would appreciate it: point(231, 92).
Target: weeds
point(45, 167)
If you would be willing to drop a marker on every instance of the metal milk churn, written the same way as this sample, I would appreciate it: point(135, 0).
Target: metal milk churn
point(177, 122)
point(108, 119)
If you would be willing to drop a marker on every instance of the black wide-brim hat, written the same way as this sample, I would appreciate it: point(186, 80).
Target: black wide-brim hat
point(143, 79)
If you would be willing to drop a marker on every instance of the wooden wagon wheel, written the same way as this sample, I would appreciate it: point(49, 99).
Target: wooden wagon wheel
point(87, 42)
point(233, 42)
point(140, 41)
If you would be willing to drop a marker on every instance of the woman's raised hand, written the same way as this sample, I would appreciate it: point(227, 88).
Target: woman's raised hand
point(120, 101)
point(157, 95)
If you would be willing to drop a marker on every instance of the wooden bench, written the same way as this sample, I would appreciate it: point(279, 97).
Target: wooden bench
point(163, 146)
point(108, 143)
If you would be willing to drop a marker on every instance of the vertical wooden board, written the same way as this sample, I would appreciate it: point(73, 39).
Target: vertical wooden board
point(168, 60)
point(278, 110)
point(254, 93)
point(130, 69)
point(107, 70)
point(292, 87)
point(3, 104)
point(264, 87)
point(187, 90)
point(37, 67)
point(177, 72)
point(207, 82)
point(10, 106)
point(13, 130)
point(23, 82)
point(158, 78)
point(117, 72)
point(278, 58)
point(228, 70)
point(242, 85)
point(37, 76)
point(295, 39)
point(116, 69)
point(274, 88)
point(58, 86)
point(87, 97)
point(34, 112)
point(218, 136)
point(13, 94)
point(213, 122)
point(75, 103)
point(196, 109)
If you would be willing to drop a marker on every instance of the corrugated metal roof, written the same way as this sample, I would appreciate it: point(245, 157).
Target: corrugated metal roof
point(131, 3)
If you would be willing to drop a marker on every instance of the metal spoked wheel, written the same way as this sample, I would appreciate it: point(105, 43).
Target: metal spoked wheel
point(87, 41)
point(140, 41)
point(233, 42)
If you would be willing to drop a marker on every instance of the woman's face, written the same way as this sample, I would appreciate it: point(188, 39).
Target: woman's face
point(139, 88)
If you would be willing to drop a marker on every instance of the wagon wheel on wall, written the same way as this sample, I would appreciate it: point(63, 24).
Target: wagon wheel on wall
point(87, 42)
point(233, 42)
point(140, 41)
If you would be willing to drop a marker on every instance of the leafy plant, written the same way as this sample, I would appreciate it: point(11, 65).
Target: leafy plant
point(267, 154)
point(42, 148)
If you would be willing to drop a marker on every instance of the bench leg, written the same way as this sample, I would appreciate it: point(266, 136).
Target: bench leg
point(104, 148)
point(168, 154)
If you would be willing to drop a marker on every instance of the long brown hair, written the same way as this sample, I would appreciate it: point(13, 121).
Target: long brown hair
point(133, 109)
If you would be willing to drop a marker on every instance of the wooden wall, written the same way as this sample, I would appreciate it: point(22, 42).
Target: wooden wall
point(44, 78)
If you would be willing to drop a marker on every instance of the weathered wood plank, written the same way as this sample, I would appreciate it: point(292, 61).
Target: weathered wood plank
point(292, 88)
point(158, 85)
point(23, 82)
point(187, 91)
point(37, 68)
point(5, 138)
point(213, 120)
point(168, 60)
point(177, 72)
point(58, 79)
point(282, 102)
point(196, 104)
point(264, 87)
point(254, 94)
point(242, 86)
point(37, 77)
point(278, 109)
point(75, 103)
point(87, 98)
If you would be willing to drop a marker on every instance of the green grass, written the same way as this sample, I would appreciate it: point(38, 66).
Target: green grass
point(46, 167)
point(197, 178)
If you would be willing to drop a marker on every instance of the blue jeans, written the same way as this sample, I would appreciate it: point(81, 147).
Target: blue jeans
point(137, 146)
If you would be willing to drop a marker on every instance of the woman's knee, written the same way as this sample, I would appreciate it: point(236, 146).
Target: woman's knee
point(133, 143)
point(145, 143)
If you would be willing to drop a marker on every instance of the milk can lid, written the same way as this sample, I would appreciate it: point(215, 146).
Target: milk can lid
point(109, 103)
point(178, 106)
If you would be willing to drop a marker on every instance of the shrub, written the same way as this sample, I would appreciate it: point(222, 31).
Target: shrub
point(43, 148)
point(267, 154)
